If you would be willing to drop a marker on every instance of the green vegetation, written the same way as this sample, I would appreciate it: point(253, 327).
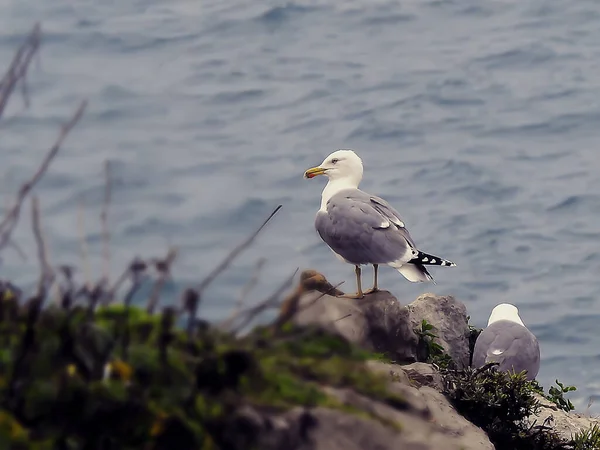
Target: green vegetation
point(123, 378)
point(499, 403)
point(587, 439)
point(430, 351)
point(556, 395)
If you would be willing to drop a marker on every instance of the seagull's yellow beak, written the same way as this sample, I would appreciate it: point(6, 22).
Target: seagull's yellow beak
point(313, 172)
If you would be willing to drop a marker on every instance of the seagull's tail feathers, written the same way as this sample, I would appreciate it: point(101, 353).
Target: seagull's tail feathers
point(431, 260)
point(417, 273)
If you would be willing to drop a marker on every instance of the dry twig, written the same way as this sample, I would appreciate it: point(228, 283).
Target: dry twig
point(83, 246)
point(104, 220)
point(244, 294)
point(46, 272)
point(163, 267)
point(12, 216)
point(17, 71)
point(232, 255)
point(192, 306)
point(272, 301)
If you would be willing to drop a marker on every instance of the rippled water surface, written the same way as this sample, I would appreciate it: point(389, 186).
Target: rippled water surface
point(479, 121)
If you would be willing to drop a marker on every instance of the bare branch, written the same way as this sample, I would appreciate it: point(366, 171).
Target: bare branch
point(135, 266)
point(290, 307)
point(83, 246)
point(273, 300)
point(104, 220)
point(12, 216)
point(236, 251)
point(163, 267)
point(46, 272)
point(17, 71)
point(225, 324)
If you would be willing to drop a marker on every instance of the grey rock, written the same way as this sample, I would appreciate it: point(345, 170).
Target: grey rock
point(422, 374)
point(427, 403)
point(380, 323)
point(458, 429)
point(565, 424)
point(377, 322)
point(450, 324)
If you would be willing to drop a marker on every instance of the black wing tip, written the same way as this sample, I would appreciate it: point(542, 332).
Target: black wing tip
point(431, 260)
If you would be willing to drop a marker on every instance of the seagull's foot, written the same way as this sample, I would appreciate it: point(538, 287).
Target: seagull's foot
point(354, 296)
point(371, 291)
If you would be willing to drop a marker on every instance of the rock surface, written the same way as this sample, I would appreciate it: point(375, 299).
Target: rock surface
point(380, 323)
point(566, 424)
point(450, 324)
point(377, 322)
point(425, 422)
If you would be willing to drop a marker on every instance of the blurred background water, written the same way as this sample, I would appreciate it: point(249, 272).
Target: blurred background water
point(478, 121)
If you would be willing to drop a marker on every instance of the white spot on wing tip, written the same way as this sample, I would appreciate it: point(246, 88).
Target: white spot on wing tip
point(433, 261)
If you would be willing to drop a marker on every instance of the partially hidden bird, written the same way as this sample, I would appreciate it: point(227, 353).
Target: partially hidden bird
point(507, 342)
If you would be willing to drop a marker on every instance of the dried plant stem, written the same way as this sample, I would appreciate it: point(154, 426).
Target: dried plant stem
point(12, 216)
point(272, 301)
point(233, 254)
point(104, 220)
point(83, 246)
point(46, 272)
point(225, 324)
point(17, 71)
point(164, 270)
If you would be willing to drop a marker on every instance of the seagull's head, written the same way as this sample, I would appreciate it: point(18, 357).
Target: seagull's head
point(340, 164)
point(505, 311)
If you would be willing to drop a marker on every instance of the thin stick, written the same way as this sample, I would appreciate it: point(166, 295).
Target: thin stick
point(164, 271)
point(236, 251)
point(17, 71)
point(12, 216)
point(104, 220)
point(294, 308)
point(46, 272)
point(225, 324)
point(83, 246)
point(271, 301)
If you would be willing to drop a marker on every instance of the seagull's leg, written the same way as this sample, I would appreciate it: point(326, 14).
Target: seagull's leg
point(360, 293)
point(374, 288)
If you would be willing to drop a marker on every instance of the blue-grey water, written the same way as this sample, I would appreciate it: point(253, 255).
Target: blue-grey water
point(479, 121)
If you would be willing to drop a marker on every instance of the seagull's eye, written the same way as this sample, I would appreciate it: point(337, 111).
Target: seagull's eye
point(334, 160)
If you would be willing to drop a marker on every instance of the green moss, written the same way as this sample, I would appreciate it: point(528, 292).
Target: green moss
point(121, 378)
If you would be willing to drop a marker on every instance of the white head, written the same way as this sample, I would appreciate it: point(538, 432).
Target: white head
point(505, 311)
point(340, 165)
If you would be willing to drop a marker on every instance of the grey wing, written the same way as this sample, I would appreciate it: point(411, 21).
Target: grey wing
point(392, 215)
point(509, 344)
point(355, 228)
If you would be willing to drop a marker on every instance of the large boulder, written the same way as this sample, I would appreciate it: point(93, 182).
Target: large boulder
point(565, 424)
point(450, 324)
point(427, 422)
point(419, 385)
point(377, 322)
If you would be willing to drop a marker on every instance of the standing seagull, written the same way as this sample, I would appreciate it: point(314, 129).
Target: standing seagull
point(363, 229)
point(508, 342)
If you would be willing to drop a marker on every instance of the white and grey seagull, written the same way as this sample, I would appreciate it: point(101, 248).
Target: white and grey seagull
point(361, 228)
point(508, 342)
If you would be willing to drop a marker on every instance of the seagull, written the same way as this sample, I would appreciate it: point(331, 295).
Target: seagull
point(363, 229)
point(507, 341)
